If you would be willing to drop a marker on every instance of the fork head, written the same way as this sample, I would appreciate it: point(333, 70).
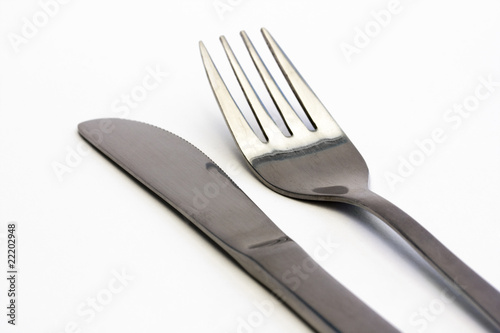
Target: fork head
point(316, 164)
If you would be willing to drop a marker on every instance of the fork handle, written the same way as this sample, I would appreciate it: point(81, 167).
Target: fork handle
point(467, 282)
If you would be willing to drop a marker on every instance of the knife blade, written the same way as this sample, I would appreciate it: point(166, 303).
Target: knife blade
point(191, 183)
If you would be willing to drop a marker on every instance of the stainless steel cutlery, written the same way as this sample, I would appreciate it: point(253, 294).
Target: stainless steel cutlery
point(323, 165)
point(315, 162)
point(191, 183)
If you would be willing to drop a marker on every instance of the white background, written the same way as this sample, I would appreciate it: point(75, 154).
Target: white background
point(77, 229)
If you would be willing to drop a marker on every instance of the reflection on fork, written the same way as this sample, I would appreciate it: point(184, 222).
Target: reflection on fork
point(323, 165)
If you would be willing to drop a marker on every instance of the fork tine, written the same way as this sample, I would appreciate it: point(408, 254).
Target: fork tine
point(290, 118)
point(238, 125)
point(314, 109)
point(263, 119)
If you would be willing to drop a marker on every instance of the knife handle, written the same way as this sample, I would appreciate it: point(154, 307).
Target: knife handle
point(290, 273)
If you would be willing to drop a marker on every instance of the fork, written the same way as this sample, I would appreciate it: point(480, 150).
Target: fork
point(322, 164)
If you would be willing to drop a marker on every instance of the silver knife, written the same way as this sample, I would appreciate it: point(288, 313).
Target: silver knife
point(191, 183)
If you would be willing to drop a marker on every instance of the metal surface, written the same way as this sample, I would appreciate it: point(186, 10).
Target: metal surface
point(195, 186)
point(324, 165)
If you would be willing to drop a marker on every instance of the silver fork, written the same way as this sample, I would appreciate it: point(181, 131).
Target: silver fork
point(323, 165)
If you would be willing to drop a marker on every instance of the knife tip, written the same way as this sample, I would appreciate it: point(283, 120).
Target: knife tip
point(94, 130)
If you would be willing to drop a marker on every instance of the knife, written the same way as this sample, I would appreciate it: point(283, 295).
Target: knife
point(191, 183)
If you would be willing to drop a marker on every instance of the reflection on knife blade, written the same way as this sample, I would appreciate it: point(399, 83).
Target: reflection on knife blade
point(190, 182)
